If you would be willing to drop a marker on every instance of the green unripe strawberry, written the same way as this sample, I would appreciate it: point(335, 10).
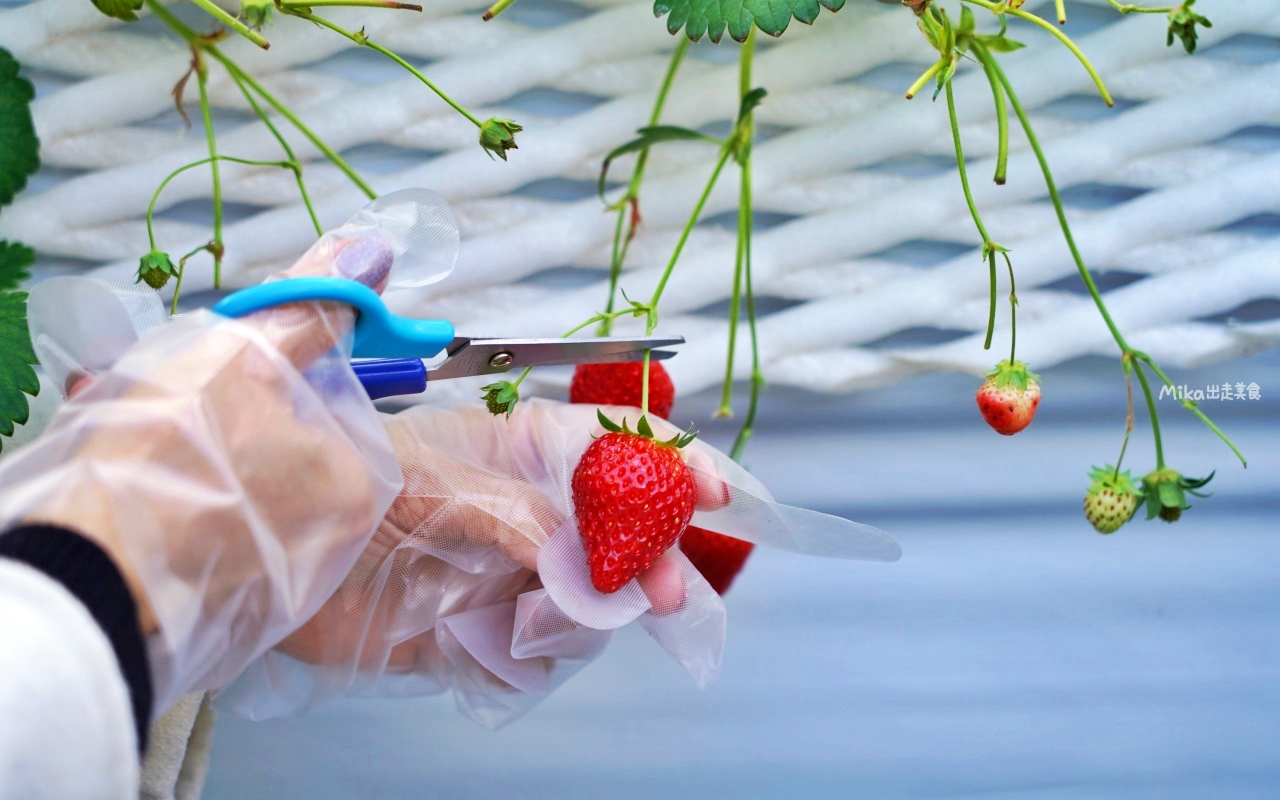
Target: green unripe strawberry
point(498, 135)
point(501, 397)
point(1111, 500)
point(155, 268)
point(1166, 493)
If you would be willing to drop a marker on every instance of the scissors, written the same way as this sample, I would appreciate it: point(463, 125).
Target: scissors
point(388, 351)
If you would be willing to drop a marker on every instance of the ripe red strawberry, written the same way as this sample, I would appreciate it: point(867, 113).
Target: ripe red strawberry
point(718, 557)
point(619, 384)
point(633, 497)
point(1009, 397)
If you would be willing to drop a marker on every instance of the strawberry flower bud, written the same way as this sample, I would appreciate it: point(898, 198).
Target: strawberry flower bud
point(155, 268)
point(498, 135)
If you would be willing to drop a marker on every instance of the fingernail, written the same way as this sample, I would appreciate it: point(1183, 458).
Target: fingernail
point(366, 259)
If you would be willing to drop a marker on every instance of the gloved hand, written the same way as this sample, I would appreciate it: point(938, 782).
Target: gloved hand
point(477, 580)
point(234, 470)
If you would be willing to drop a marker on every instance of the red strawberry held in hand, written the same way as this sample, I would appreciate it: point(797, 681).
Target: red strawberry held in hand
point(718, 557)
point(1009, 397)
point(620, 384)
point(633, 497)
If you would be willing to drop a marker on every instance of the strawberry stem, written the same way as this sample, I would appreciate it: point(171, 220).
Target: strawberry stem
point(984, 55)
point(989, 247)
point(1061, 7)
point(196, 40)
point(206, 113)
point(294, 164)
point(496, 9)
point(999, 8)
point(628, 205)
point(1131, 8)
point(364, 41)
point(231, 22)
point(1013, 312)
point(155, 197)
point(1002, 127)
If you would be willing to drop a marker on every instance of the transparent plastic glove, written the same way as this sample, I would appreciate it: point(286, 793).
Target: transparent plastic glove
point(477, 580)
point(233, 469)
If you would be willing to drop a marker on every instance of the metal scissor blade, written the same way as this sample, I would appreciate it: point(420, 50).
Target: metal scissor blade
point(469, 357)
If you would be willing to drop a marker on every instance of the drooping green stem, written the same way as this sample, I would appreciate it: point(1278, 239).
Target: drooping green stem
point(289, 5)
point(652, 321)
point(983, 54)
point(1151, 411)
point(329, 153)
point(206, 113)
point(1131, 8)
point(1062, 37)
point(757, 377)
point(735, 306)
point(987, 245)
point(1191, 406)
point(991, 305)
point(1013, 312)
point(195, 39)
point(741, 250)
point(177, 285)
point(1061, 7)
point(628, 215)
point(295, 164)
point(1055, 198)
point(364, 41)
point(1002, 126)
point(155, 196)
point(231, 22)
point(1128, 420)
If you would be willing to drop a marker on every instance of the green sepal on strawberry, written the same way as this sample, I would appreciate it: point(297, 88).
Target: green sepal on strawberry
point(1112, 499)
point(633, 496)
point(1009, 397)
point(1166, 493)
point(155, 269)
point(501, 397)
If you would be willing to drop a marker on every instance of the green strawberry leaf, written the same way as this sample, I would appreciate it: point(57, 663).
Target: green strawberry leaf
point(643, 428)
point(712, 17)
point(19, 147)
point(608, 424)
point(119, 9)
point(17, 378)
point(15, 258)
point(649, 137)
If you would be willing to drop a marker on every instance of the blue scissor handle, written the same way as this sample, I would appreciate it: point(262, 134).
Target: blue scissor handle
point(391, 377)
point(378, 333)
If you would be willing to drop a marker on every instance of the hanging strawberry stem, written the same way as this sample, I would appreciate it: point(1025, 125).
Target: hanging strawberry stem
point(1137, 358)
point(628, 206)
point(231, 22)
point(497, 135)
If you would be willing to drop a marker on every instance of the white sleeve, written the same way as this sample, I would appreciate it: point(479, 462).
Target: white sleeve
point(66, 724)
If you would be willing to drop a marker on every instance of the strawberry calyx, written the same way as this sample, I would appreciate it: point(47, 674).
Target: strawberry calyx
point(645, 430)
point(1166, 493)
point(1013, 373)
point(1109, 478)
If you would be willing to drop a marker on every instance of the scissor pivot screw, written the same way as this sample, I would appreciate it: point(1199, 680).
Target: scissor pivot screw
point(501, 360)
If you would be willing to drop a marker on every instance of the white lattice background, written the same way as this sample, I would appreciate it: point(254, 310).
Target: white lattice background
point(864, 249)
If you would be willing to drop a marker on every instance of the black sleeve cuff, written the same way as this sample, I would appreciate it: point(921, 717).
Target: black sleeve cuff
point(90, 574)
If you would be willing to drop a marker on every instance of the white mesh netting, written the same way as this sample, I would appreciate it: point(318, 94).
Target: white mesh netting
point(863, 234)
